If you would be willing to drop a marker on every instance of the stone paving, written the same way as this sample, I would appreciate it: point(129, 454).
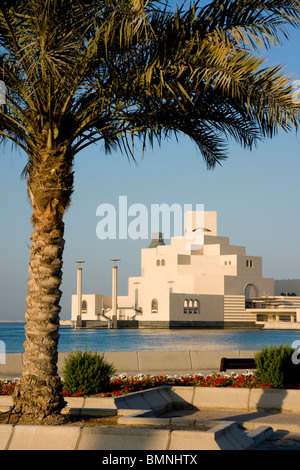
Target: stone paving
point(286, 426)
point(281, 440)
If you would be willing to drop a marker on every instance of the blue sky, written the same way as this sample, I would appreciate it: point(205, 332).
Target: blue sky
point(256, 195)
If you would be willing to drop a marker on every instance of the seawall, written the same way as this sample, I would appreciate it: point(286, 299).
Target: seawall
point(144, 362)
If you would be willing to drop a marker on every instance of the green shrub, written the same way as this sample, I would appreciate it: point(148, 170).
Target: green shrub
point(274, 365)
point(87, 371)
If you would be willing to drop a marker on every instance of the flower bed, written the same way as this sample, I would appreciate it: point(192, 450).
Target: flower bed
point(122, 384)
point(126, 384)
point(7, 387)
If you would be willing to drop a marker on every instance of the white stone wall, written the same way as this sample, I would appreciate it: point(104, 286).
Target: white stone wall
point(171, 273)
point(94, 303)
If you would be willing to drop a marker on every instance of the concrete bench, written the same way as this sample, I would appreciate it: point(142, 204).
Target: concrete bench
point(237, 363)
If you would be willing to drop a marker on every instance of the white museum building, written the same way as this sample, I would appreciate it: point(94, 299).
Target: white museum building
point(187, 284)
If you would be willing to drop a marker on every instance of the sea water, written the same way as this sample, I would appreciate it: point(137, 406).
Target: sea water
point(12, 334)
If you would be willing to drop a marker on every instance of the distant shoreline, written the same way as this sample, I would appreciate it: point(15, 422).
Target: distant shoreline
point(12, 321)
point(62, 322)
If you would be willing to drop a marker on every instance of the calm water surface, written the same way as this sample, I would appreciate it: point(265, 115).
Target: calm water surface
point(13, 335)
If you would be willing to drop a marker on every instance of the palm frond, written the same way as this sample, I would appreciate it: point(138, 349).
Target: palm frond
point(82, 72)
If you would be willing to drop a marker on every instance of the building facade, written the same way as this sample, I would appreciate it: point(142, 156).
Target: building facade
point(188, 284)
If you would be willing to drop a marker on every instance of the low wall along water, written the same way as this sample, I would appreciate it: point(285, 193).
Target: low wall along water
point(144, 362)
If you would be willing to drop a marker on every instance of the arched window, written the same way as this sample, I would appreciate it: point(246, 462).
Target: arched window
point(196, 306)
point(84, 306)
point(157, 262)
point(251, 292)
point(154, 306)
point(191, 306)
point(163, 263)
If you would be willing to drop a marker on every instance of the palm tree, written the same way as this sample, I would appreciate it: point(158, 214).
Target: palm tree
point(78, 72)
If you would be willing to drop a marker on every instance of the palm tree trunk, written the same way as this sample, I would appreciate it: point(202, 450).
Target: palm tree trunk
point(50, 182)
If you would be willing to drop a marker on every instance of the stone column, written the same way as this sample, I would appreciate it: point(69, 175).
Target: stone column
point(79, 291)
point(114, 298)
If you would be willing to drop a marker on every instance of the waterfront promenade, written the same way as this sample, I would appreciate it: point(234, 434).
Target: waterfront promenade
point(169, 418)
point(271, 415)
